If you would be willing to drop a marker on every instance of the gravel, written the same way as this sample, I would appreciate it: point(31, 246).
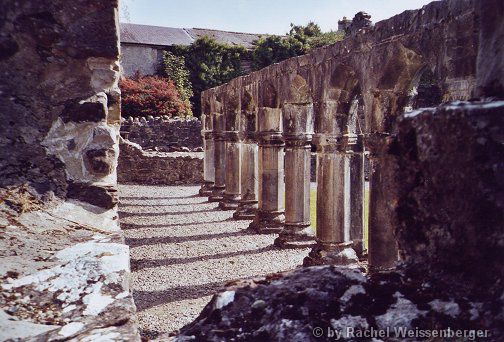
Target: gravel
point(184, 250)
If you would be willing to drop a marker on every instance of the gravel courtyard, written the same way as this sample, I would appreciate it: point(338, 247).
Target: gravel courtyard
point(183, 250)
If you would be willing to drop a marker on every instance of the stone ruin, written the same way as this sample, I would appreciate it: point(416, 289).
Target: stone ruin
point(435, 211)
point(436, 180)
point(64, 269)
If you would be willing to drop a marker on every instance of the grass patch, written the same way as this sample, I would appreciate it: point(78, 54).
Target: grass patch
point(313, 209)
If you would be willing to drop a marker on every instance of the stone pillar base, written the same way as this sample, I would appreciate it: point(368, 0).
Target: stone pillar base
point(358, 248)
point(295, 236)
point(206, 189)
point(376, 269)
point(341, 254)
point(267, 222)
point(246, 210)
point(217, 194)
point(229, 202)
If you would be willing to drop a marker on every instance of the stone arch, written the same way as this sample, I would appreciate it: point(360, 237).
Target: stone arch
point(247, 102)
point(424, 90)
point(232, 107)
point(268, 95)
point(340, 86)
point(299, 91)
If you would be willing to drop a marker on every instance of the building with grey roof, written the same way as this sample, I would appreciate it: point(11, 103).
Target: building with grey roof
point(142, 45)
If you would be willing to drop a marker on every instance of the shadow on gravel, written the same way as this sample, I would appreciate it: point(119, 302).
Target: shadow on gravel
point(127, 226)
point(140, 264)
point(147, 299)
point(136, 242)
point(124, 205)
point(147, 198)
point(124, 214)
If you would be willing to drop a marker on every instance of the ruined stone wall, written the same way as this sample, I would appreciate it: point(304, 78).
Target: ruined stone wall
point(148, 167)
point(164, 134)
point(64, 267)
point(59, 100)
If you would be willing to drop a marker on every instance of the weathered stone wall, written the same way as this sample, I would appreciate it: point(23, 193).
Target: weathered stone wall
point(64, 269)
point(140, 58)
point(164, 134)
point(451, 172)
point(142, 167)
point(59, 100)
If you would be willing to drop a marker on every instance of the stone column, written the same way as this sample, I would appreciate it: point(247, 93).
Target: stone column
point(355, 177)
point(382, 244)
point(232, 192)
point(232, 109)
point(247, 207)
point(298, 131)
point(219, 158)
point(333, 165)
point(270, 215)
point(208, 162)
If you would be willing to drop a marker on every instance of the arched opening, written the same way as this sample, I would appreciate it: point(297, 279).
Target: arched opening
point(425, 91)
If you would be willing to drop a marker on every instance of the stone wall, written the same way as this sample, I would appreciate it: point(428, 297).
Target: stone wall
point(142, 167)
point(164, 134)
point(64, 269)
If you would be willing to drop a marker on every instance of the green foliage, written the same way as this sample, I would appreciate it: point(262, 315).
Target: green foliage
point(210, 64)
point(207, 63)
point(326, 38)
point(175, 69)
point(299, 40)
point(273, 49)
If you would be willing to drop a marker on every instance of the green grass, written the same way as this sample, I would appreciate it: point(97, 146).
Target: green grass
point(313, 209)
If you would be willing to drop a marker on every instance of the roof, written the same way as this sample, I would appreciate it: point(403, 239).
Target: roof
point(167, 36)
point(154, 35)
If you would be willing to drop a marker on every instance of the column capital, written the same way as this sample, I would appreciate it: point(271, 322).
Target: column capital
point(353, 142)
point(219, 136)
point(299, 140)
point(249, 137)
point(270, 139)
point(328, 143)
point(232, 136)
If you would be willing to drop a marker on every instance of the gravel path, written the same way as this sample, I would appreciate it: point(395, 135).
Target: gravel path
point(183, 250)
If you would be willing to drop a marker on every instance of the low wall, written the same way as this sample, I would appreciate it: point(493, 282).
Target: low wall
point(143, 167)
point(164, 134)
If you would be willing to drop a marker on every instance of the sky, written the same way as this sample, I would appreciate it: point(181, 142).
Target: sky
point(257, 16)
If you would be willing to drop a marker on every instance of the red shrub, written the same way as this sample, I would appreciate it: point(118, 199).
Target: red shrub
point(150, 95)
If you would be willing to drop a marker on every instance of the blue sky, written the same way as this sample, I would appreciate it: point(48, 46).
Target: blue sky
point(257, 16)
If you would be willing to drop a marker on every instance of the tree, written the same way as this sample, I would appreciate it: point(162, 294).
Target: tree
point(299, 41)
point(210, 64)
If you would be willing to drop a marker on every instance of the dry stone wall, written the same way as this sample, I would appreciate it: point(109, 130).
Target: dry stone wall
point(164, 134)
point(149, 167)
